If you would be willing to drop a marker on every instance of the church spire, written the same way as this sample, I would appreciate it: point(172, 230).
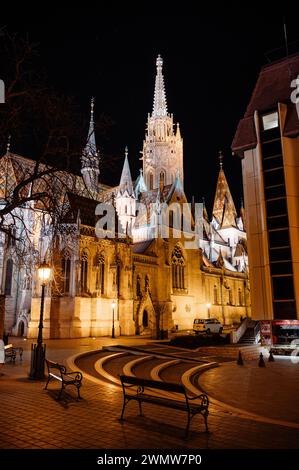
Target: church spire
point(224, 211)
point(160, 105)
point(8, 144)
point(91, 147)
point(90, 158)
point(126, 179)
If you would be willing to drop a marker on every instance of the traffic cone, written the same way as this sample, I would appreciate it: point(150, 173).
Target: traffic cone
point(261, 361)
point(271, 357)
point(240, 359)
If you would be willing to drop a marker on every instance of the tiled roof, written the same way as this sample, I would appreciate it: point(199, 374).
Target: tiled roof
point(140, 247)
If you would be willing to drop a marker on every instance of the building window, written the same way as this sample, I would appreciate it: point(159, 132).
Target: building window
point(270, 121)
point(8, 277)
point(162, 178)
point(99, 265)
point(145, 319)
point(178, 269)
point(138, 286)
point(84, 272)
point(240, 297)
point(230, 296)
point(151, 181)
point(215, 295)
point(65, 275)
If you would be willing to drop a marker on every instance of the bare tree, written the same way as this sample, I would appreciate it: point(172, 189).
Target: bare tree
point(46, 127)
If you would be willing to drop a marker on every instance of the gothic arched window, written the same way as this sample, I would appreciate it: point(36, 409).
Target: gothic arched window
point(162, 178)
point(215, 295)
point(240, 297)
point(138, 286)
point(151, 181)
point(84, 271)
point(99, 265)
point(65, 274)
point(8, 277)
point(178, 269)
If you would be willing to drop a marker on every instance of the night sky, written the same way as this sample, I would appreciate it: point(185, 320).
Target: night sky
point(210, 68)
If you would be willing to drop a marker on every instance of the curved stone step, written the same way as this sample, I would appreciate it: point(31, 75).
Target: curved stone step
point(155, 372)
point(128, 368)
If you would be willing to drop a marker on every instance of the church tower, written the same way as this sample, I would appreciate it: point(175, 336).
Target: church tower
point(162, 147)
point(90, 161)
point(125, 198)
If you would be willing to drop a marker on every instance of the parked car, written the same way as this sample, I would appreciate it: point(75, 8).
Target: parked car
point(207, 325)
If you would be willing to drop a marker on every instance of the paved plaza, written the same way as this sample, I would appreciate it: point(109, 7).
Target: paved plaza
point(32, 417)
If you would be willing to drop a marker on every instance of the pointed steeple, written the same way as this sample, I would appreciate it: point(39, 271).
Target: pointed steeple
point(220, 260)
point(242, 214)
point(91, 148)
point(204, 210)
point(224, 210)
point(126, 179)
point(160, 105)
point(140, 186)
point(90, 162)
point(8, 144)
point(178, 132)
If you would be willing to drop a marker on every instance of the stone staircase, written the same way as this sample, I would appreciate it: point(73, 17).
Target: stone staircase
point(249, 336)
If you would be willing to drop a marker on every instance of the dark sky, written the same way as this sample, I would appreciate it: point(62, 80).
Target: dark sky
point(210, 68)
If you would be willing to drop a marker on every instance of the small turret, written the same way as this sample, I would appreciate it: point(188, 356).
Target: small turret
point(125, 200)
point(90, 161)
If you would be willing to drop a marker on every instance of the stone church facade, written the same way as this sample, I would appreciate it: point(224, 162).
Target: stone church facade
point(158, 283)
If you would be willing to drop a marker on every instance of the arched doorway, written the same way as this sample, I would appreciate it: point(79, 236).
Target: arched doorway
point(145, 319)
point(21, 328)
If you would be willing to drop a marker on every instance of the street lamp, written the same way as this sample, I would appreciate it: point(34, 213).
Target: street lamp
point(209, 307)
point(38, 351)
point(113, 305)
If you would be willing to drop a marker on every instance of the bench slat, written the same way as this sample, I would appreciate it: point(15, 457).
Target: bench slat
point(167, 386)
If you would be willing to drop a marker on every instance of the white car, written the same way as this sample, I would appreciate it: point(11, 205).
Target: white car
point(207, 325)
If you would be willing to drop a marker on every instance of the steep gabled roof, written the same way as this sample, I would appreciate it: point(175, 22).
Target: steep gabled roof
point(224, 209)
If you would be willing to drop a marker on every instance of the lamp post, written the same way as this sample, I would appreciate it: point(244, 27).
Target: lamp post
point(209, 310)
point(113, 308)
point(37, 370)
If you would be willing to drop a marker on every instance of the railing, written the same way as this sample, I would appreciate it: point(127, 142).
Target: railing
point(257, 333)
point(239, 332)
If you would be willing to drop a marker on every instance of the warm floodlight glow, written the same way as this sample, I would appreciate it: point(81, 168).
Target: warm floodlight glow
point(44, 272)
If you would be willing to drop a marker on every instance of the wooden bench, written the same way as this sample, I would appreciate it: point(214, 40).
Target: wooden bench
point(58, 372)
point(11, 352)
point(143, 390)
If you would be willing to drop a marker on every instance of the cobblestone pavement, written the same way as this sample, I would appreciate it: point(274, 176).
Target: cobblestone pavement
point(32, 418)
point(270, 391)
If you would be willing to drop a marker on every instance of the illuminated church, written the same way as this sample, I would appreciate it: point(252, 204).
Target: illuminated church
point(159, 283)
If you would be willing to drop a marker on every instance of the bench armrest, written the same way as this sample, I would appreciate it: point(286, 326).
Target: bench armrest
point(202, 396)
point(77, 374)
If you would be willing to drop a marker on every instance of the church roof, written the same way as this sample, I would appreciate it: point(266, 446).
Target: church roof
point(141, 247)
point(140, 186)
point(150, 197)
point(86, 208)
point(241, 248)
point(224, 209)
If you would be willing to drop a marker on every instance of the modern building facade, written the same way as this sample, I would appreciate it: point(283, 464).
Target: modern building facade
point(267, 140)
